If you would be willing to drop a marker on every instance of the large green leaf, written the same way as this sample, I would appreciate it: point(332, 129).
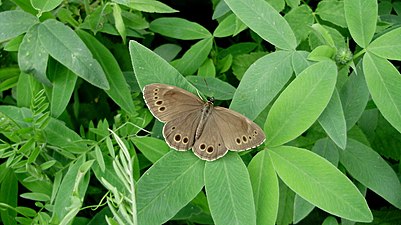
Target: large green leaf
point(194, 57)
point(32, 57)
point(265, 188)
point(166, 187)
point(369, 168)
point(179, 28)
point(14, 23)
point(262, 18)
point(333, 121)
point(151, 68)
point(229, 191)
point(388, 45)
point(119, 90)
point(301, 103)
point(261, 83)
point(64, 45)
point(384, 82)
point(361, 17)
point(320, 183)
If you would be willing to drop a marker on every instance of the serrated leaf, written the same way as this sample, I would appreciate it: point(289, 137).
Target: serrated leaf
point(320, 183)
point(229, 191)
point(306, 98)
point(66, 47)
point(262, 18)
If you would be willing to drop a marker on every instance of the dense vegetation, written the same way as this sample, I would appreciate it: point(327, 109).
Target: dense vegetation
point(79, 146)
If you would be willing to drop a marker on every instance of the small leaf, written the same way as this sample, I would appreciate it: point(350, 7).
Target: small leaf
point(384, 82)
point(45, 5)
point(361, 17)
point(150, 6)
point(65, 46)
point(306, 97)
point(320, 183)
point(168, 186)
point(332, 11)
point(179, 28)
point(388, 45)
point(14, 23)
point(194, 57)
point(213, 87)
point(262, 18)
point(119, 23)
point(333, 121)
point(369, 168)
point(229, 191)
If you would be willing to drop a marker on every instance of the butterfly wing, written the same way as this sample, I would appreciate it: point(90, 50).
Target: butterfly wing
point(210, 145)
point(179, 132)
point(168, 102)
point(238, 132)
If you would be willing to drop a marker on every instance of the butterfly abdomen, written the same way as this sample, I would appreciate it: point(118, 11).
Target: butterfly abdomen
point(206, 111)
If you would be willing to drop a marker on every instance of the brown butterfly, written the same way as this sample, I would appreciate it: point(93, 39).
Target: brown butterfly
point(192, 123)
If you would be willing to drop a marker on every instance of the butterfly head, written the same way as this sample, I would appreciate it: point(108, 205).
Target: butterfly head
point(210, 100)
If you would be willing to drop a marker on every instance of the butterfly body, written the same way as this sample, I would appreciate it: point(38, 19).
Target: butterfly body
point(192, 123)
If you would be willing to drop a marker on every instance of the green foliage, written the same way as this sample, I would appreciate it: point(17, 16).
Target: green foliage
point(79, 146)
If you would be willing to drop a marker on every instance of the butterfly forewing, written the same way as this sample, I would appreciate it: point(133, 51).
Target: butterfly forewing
point(168, 102)
point(239, 133)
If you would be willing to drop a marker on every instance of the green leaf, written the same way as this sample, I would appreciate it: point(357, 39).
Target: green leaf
point(119, 90)
point(63, 86)
point(14, 23)
point(361, 17)
point(65, 201)
point(388, 45)
point(332, 11)
point(266, 77)
point(229, 191)
point(322, 52)
point(354, 96)
point(241, 63)
point(150, 6)
point(320, 183)
point(168, 186)
point(119, 23)
point(207, 69)
point(45, 5)
point(66, 47)
point(213, 87)
point(226, 27)
point(384, 82)
point(152, 148)
point(9, 196)
point(265, 188)
point(333, 121)
point(179, 28)
point(151, 68)
point(168, 51)
point(327, 149)
point(300, 20)
point(32, 57)
point(369, 168)
point(194, 57)
point(262, 18)
point(306, 97)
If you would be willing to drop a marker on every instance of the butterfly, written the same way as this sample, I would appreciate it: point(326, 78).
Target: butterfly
point(192, 123)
